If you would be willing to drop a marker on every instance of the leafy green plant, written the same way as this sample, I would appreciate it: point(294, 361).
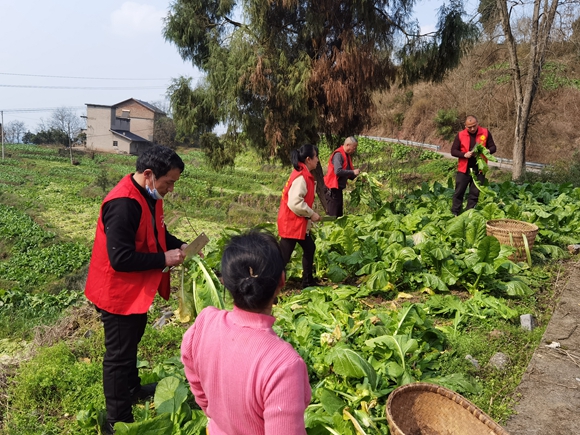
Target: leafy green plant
point(358, 354)
point(482, 156)
point(201, 289)
point(366, 192)
point(173, 413)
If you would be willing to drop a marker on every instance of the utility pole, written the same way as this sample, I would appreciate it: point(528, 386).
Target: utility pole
point(70, 145)
point(2, 131)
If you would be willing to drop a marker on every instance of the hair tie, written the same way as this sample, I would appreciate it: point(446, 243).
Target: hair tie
point(252, 273)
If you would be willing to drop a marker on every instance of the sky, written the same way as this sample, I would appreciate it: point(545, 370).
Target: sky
point(68, 53)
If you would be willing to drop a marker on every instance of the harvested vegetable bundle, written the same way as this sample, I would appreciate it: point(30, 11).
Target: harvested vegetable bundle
point(482, 155)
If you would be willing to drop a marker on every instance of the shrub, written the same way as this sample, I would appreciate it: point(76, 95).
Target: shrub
point(447, 123)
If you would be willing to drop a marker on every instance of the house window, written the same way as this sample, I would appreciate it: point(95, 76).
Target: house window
point(125, 113)
point(115, 143)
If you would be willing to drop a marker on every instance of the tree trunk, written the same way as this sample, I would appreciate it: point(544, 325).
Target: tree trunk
point(524, 93)
point(320, 186)
point(519, 151)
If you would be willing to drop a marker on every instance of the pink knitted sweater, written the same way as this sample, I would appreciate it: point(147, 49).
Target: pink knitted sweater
point(247, 380)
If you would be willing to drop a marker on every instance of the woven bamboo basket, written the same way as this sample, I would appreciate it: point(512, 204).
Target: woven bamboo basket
point(429, 409)
point(510, 232)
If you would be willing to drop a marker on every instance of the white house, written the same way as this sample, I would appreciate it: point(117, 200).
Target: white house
point(126, 127)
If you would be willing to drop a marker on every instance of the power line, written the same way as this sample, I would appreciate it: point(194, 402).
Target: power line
point(91, 78)
point(45, 109)
point(73, 77)
point(89, 88)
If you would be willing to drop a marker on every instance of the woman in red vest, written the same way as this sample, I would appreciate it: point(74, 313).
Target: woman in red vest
point(295, 214)
point(462, 148)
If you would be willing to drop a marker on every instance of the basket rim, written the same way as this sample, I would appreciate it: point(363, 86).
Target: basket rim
point(494, 222)
point(451, 395)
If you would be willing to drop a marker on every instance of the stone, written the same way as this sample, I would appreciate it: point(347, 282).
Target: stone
point(473, 361)
point(499, 361)
point(528, 322)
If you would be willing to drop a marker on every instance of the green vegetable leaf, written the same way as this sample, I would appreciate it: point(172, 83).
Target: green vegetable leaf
point(488, 249)
point(169, 395)
point(330, 401)
point(348, 363)
point(160, 425)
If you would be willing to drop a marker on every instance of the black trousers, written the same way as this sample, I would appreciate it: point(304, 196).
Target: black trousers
point(334, 202)
point(120, 374)
point(308, 247)
point(462, 181)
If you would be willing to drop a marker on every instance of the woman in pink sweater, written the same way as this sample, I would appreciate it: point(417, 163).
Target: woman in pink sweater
point(245, 378)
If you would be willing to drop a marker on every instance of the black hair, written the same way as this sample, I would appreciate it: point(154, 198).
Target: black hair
point(160, 159)
point(251, 268)
point(299, 155)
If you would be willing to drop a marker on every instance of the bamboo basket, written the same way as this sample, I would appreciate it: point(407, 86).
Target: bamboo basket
point(429, 409)
point(510, 232)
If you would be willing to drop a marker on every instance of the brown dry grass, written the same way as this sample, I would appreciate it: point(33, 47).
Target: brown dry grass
point(480, 86)
point(72, 326)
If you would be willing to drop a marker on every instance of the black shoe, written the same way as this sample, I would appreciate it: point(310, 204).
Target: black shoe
point(145, 392)
point(108, 429)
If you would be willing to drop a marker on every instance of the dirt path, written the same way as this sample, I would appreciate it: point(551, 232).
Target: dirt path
point(550, 388)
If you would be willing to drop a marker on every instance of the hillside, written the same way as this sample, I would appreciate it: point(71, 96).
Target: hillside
point(482, 86)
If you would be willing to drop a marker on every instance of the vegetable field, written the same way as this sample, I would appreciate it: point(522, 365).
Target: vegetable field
point(410, 289)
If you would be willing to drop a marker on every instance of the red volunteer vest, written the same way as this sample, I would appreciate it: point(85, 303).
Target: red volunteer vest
point(464, 139)
point(330, 179)
point(127, 292)
point(290, 225)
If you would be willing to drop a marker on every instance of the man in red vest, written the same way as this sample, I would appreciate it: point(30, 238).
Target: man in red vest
point(462, 148)
point(340, 170)
point(131, 254)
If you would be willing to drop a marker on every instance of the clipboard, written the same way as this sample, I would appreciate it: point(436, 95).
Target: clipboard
point(192, 249)
point(196, 246)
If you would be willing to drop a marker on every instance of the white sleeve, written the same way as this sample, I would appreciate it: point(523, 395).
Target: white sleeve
point(296, 194)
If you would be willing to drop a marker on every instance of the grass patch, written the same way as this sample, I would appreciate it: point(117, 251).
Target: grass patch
point(482, 340)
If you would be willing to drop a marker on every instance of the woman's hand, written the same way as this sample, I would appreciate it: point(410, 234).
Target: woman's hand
point(315, 217)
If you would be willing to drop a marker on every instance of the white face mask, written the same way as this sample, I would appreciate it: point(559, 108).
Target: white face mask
point(153, 193)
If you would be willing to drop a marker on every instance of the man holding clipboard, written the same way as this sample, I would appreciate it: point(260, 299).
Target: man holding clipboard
point(131, 251)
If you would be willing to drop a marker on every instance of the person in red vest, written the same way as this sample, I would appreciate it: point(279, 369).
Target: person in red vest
point(462, 148)
point(131, 253)
point(295, 213)
point(340, 170)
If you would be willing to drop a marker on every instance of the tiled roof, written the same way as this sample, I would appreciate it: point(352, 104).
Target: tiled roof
point(128, 135)
point(150, 106)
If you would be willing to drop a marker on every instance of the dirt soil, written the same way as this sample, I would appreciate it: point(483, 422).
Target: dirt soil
point(550, 388)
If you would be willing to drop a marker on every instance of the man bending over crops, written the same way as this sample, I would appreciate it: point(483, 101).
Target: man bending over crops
point(464, 148)
point(131, 252)
point(340, 170)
